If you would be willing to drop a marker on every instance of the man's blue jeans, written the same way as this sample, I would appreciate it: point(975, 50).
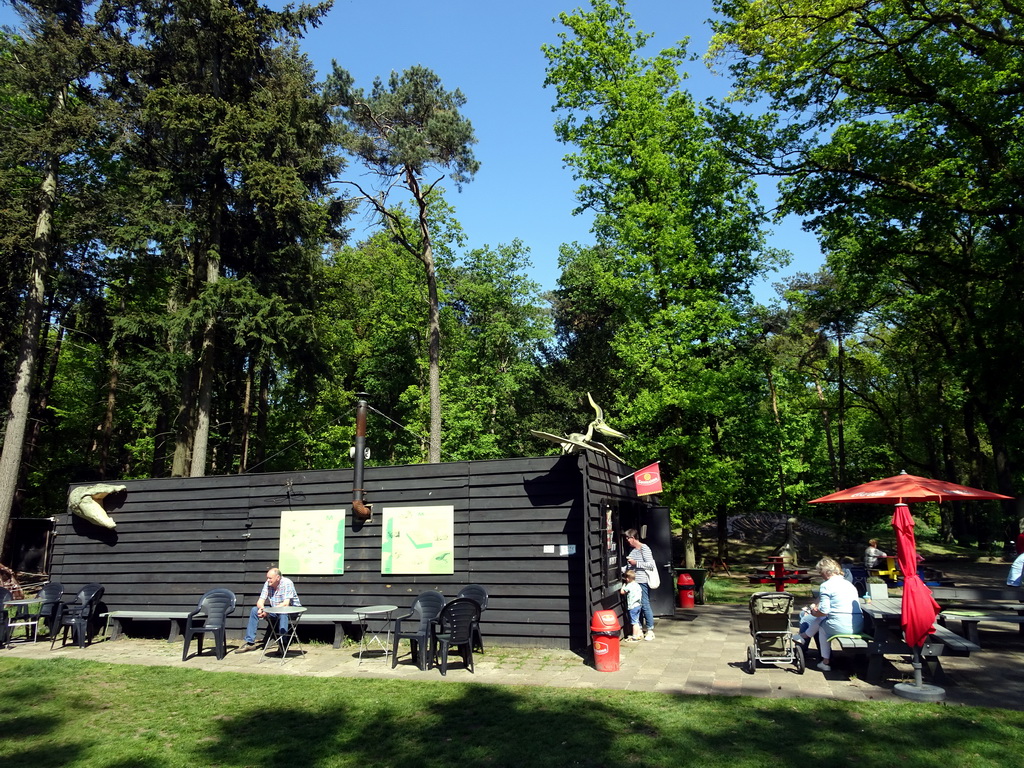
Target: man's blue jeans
point(254, 623)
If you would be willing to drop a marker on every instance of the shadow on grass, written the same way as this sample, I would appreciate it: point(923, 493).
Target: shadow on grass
point(63, 713)
point(506, 726)
point(459, 724)
point(19, 720)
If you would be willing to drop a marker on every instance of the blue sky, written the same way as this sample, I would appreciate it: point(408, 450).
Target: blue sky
point(492, 54)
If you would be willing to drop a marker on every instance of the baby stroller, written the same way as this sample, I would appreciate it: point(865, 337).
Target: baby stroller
point(770, 630)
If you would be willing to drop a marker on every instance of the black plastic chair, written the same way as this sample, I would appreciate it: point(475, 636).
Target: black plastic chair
point(419, 623)
point(479, 594)
point(78, 616)
point(210, 616)
point(454, 629)
point(51, 593)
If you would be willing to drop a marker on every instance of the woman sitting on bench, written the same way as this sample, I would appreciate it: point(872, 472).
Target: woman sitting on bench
point(837, 611)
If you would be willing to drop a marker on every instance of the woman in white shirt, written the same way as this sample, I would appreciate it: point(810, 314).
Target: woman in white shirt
point(837, 611)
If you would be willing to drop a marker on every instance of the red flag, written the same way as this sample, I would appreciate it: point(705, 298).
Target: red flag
point(648, 480)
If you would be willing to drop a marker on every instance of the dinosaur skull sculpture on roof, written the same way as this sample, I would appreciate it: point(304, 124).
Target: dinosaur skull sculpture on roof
point(574, 442)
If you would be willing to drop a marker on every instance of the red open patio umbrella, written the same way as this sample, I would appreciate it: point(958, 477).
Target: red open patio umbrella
point(903, 488)
point(918, 609)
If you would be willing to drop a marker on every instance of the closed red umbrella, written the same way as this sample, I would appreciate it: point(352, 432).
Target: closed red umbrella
point(919, 608)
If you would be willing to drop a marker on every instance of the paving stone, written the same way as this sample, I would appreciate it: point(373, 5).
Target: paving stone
point(705, 655)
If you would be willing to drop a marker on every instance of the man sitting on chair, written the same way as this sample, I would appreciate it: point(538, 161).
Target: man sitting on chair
point(278, 591)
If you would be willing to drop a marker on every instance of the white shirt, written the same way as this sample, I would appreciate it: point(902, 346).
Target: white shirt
point(1013, 579)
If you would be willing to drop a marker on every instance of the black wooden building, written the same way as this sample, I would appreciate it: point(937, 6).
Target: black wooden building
point(541, 534)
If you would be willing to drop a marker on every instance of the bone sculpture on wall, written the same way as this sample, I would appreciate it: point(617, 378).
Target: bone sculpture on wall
point(87, 503)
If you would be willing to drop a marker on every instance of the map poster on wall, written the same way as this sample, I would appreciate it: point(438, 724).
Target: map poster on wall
point(312, 541)
point(418, 540)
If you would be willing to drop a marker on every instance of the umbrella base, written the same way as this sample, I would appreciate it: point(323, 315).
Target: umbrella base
point(923, 692)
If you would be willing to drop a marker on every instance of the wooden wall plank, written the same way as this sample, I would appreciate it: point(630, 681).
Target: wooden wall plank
point(177, 537)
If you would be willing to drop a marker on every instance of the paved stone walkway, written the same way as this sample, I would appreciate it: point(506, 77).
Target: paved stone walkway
point(698, 652)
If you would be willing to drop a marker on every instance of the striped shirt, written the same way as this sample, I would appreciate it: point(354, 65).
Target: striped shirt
point(644, 562)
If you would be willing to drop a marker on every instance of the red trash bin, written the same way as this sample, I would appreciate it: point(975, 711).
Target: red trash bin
point(604, 631)
point(685, 585)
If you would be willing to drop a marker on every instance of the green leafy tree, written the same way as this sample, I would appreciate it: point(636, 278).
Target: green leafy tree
point(225, 171)
point(682, 231)
point(405, 132)
point(496, 328)
point(373, 344)
point(896, 128)
point(47, 126)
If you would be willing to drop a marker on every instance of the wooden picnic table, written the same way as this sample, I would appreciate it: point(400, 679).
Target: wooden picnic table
point(891, 571)
point(775, 572)
point(974, 605)
point(886, 635)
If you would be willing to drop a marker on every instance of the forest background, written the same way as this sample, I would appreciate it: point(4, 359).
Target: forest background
point(184, 292)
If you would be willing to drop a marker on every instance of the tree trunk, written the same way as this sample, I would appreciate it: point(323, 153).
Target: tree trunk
point(841, 413)
point(41, 399)
point(1004, 466)
point(17, 418)
point(158, 466)
point(207, 372)
point(827, 420)
point(183, 429)
point(722, 511)
point(243, 450)
point(963, 517)
point(779, 442)
point(106, 429)
point(182, 422)
point(689, 549)
point(433, 323)
point(262, 408)
point(434, 352)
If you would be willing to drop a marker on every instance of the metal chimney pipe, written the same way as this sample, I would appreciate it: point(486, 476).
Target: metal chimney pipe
point(360, 510)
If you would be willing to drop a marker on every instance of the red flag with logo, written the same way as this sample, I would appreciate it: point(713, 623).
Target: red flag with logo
point(648, 480)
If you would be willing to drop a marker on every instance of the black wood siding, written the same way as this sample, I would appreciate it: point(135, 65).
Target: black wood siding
point(176, 538)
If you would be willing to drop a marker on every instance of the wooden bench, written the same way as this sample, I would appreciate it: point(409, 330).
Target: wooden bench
point(177, 619)
point(1011, 597)
point(337, 619)
point(854, 643)
point(859, 643)
point(969, 621)
point(973, 605)
point(944, 642)
point(960, 646)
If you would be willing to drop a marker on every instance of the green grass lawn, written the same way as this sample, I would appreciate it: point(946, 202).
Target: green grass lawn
point(65, 712)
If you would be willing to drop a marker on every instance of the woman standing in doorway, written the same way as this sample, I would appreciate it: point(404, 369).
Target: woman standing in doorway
point(641, 560)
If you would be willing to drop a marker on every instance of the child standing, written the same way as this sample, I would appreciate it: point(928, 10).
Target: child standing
point(634, 596)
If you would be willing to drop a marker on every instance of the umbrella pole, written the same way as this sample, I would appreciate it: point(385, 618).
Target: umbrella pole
point(919, 690)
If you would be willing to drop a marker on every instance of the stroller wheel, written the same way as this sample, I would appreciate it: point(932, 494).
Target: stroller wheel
point(801, 662)
point(751, 659)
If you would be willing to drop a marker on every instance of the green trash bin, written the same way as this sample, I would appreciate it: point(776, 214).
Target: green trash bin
point(699, 576)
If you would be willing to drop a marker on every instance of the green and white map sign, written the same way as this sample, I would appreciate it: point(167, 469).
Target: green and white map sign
point(418, 540)
point(312, 541)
